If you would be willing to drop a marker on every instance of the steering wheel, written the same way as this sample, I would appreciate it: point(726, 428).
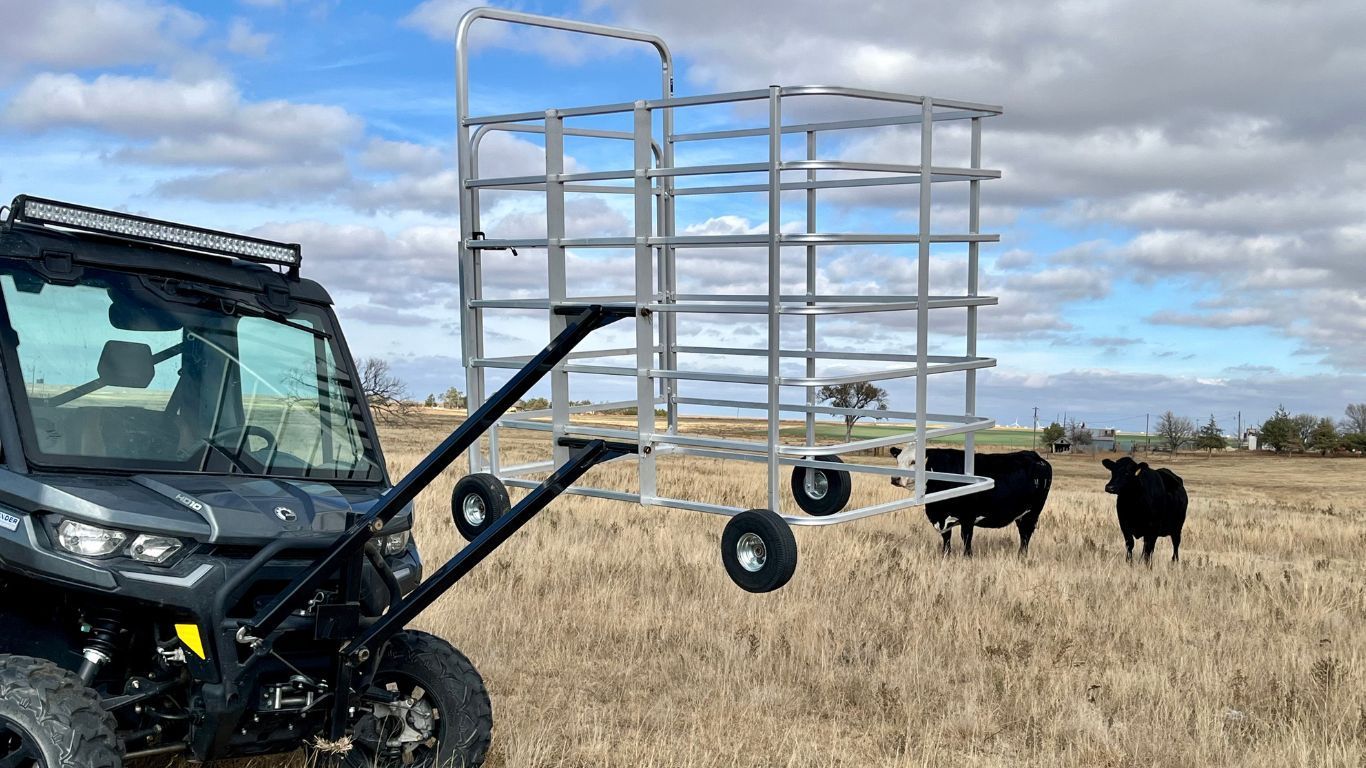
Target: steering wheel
point(232, 436)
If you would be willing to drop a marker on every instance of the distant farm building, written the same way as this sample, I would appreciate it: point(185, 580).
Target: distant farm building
point(1104, 440)
point(1062, 446)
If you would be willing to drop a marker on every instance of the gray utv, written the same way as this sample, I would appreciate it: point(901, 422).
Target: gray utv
point(201, 552)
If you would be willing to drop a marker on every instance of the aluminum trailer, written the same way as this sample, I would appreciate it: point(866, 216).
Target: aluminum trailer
point(671, 368)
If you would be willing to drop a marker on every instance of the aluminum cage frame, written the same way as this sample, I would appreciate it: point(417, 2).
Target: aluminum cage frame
point(653, 184)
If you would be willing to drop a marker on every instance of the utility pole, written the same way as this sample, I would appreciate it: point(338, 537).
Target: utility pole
point(1034, 441)
point(1147, 441)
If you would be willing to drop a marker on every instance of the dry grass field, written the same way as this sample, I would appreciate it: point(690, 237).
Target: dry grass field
point(609, 634)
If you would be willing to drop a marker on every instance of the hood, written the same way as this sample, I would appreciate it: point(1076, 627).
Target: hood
point(223, 509)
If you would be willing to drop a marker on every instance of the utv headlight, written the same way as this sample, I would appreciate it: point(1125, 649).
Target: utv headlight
point(89, 540)
point(150, 548)
point(395, 543)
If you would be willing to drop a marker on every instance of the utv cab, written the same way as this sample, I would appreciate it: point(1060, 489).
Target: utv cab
point(191, 529)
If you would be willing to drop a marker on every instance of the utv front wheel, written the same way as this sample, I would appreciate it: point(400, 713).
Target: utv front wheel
point(437, 714)
point(49, 719)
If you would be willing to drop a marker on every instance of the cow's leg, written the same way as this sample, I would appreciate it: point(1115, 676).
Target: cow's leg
point(1149, 544)
point(1176, 546)
point(967, 539)
point(1128, 545)
point(948, 541)
point(1026, 526)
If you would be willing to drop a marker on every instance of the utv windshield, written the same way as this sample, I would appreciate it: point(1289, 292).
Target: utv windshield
point(128, 372)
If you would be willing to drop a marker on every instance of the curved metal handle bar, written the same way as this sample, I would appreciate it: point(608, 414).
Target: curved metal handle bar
point(479, 133)
point(547, 22)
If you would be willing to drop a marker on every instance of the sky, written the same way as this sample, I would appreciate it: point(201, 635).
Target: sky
point(1182, 208)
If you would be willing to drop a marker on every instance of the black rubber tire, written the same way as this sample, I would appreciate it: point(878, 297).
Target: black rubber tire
point(492, 494)
point(840, 485)
point(780, 550)
point(58, 716)
point(458, 694)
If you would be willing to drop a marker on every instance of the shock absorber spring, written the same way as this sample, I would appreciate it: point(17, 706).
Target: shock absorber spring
point(104, 632)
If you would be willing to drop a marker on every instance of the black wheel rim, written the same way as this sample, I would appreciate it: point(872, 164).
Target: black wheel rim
point(17, 747)
point(374, 735)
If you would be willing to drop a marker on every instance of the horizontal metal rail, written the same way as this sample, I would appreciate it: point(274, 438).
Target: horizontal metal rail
point(972, 485)
point(723, 241)
point(831, 125)
point(937, 173)
point(982, 110)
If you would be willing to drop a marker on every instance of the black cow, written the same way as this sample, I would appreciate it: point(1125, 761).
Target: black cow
point(1022, 482)
point(1151, 504)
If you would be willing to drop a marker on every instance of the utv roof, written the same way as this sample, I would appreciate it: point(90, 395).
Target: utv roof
point(56, 232)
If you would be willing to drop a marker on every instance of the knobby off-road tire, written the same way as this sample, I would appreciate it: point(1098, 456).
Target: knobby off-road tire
point(49, 719)
point(476, 502)
point(451, 686)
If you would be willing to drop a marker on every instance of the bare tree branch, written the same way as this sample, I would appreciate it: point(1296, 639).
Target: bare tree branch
point(385, 392)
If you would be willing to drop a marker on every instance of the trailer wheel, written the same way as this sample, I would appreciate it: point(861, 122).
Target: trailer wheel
point(476, 502)
point(821, 492)
point(50, 719)
point(437, 712)
point(758, 550)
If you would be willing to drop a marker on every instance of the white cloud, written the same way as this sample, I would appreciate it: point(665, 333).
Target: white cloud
point(203, 122)
point(404, 156)
point(245, 41)
point(93, 33)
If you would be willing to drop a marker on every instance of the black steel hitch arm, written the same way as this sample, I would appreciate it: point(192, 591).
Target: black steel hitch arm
point(587, 454)
point(586, 319)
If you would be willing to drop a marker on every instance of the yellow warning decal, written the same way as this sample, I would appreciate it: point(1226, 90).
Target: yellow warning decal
point(189, 635)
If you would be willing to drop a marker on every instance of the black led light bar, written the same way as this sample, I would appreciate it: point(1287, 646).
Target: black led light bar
point(36, 210)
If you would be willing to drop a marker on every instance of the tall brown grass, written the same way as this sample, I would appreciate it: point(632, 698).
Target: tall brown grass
point(609, 634)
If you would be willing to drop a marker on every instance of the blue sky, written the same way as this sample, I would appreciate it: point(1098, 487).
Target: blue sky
point(1181, 223)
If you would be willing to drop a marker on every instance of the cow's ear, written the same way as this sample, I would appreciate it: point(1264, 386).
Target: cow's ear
point(1107, 463)
point(1144, 465)
point(895, 451)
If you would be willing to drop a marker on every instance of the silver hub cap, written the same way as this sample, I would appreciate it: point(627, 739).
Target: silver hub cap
point(751, 552)
point(815, 483)
point(473, 509)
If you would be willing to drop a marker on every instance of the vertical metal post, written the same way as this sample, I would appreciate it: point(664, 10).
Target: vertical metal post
point(922, 288)
point(669, 276)
point(645, 284)
point(475, 332)
point(468, 258)
point(811, 290)
point(775, 213)
point(555, 266)
point(974, 226)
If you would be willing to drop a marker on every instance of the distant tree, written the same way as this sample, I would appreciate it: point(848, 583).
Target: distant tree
point(1210, 438)
point(1305, 424)
point(1052, 434)
point(1355, 423)
point(385, 392)
point(1325, 438)
point(430, 402)
point(533, 404)
point(453, 398)
point(1355, 442)
point(859, 395)
point(1279, 432)
point(1175, 430)
point(1078, 433)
